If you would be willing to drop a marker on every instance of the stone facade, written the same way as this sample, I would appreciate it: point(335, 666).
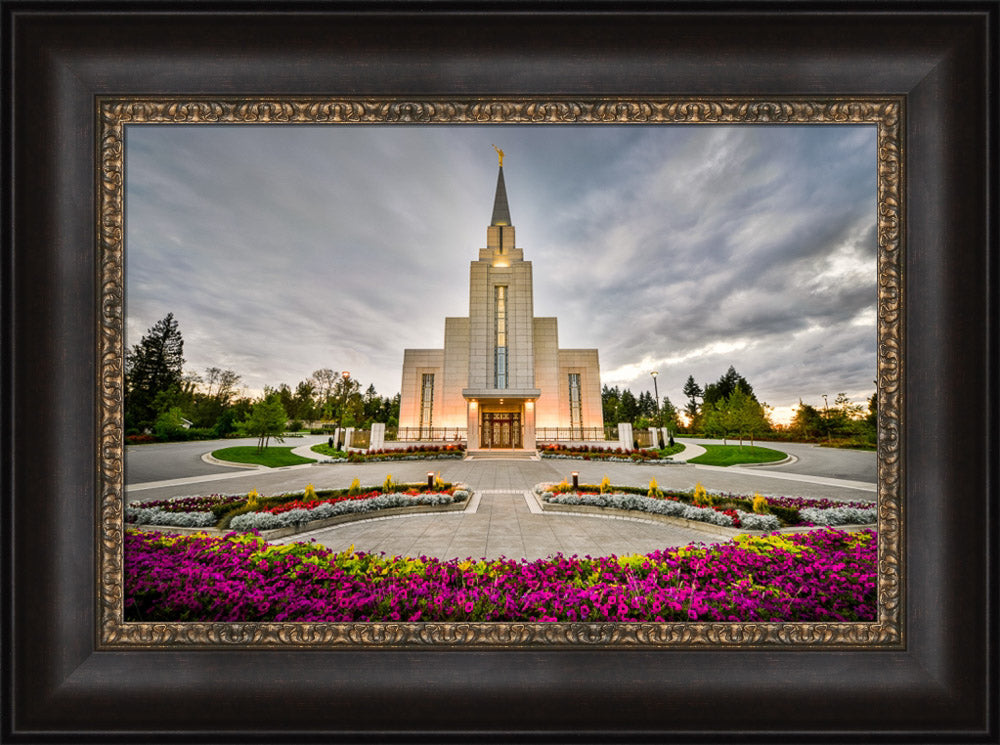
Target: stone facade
point(501, 373)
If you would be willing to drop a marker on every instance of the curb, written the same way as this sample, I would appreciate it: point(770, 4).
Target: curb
point(784, 462)
point(207, 458)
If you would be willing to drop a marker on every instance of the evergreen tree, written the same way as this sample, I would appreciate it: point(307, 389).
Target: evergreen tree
point(152, 366)
point(611, 404)
point(725, 386)
point(629, 410)
point(693, 392)
point(668, 415)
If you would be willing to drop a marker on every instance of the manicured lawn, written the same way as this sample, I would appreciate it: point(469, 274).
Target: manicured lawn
point(731, 455)
point(670, 450)
point(270, 457)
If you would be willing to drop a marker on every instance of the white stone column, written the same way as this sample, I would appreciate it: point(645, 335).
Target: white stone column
point(654, 437)
point(336, 438)
point(472, 426)
point(625, 435)
point(349, 432)
point(666, 436)
point(529, 425)
point(377, 439)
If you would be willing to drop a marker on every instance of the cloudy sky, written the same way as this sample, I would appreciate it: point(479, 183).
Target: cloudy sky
point(682, 249)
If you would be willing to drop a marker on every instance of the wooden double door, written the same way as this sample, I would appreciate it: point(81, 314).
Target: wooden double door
point(501, 429)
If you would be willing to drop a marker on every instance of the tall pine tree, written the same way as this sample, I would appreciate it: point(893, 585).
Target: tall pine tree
point(152, 366)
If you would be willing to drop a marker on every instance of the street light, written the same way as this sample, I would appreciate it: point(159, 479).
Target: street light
point(343, 408)
point(826, 418)
point(656, 394)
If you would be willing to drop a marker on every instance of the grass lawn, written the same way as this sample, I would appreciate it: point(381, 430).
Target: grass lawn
point(670, 450)
point(731, 455)
point(324, 449)
point(270, 457)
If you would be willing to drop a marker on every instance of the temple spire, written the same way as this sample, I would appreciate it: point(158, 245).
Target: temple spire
point(501, 212)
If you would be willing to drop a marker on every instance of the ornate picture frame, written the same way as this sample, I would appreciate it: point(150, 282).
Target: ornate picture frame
point(886, 114)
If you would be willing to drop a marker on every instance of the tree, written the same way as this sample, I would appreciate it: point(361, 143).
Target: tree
point(807, 422)
point(323, 381)
point(304, 401)
point(748, 416)
point(715, 420)
point(669, 415)
point(211, 403)
point(647, 405)
point(725, 386)
point(844, 418)
point(266, 419)
point(347, 403)
point(611, 404)
point(169, 423)
point(152, 366)
point(629, 411)
point(693, 392)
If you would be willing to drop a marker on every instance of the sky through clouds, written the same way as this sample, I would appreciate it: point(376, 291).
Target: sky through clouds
point(677, 248)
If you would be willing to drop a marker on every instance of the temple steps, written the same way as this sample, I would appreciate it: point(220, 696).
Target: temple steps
point(502, 455)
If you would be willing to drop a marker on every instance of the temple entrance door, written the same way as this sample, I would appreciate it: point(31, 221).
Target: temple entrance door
point(501, 430)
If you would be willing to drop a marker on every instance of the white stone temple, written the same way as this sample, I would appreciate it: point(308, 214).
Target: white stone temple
point(501, 374)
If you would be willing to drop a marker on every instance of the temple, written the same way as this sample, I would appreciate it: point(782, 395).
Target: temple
point(501, 376)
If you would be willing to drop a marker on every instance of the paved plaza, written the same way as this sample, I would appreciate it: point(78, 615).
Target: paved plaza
point(503, 524)
point(503, 519)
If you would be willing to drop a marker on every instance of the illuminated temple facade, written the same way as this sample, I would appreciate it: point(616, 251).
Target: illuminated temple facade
point(501, 374)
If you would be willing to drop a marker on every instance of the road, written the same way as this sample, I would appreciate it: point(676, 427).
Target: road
point(815, 460)
point(171, 460)
point(169, 470)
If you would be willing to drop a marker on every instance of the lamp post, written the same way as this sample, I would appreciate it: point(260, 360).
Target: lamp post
point(656, 394)
point(826, 418)
point(343, 407)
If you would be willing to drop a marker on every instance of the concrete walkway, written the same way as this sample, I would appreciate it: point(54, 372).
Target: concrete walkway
point(503, 524)
point(691, 450)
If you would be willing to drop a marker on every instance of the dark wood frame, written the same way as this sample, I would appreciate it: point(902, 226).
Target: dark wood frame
point(56, 687)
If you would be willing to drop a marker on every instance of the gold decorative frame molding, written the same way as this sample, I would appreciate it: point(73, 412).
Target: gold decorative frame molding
point(115, 113)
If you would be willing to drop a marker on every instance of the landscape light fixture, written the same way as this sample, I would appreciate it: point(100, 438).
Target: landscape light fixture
point(430, 478)
point(576, 479)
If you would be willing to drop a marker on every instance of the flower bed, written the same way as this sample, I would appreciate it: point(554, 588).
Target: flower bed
point(412, 452)
point(266, 520)
point(731, 511)
point(729, 518)
point(823, 575)
point(588, 452)
point(254, 512)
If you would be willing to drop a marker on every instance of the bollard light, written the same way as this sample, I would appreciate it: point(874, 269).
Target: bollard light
point(576, 480)
point(430, 478)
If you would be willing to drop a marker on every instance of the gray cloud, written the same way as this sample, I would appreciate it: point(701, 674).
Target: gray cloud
point(284, 249)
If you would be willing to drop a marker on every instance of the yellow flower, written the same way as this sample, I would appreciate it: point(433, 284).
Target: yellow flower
point(701, 497)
